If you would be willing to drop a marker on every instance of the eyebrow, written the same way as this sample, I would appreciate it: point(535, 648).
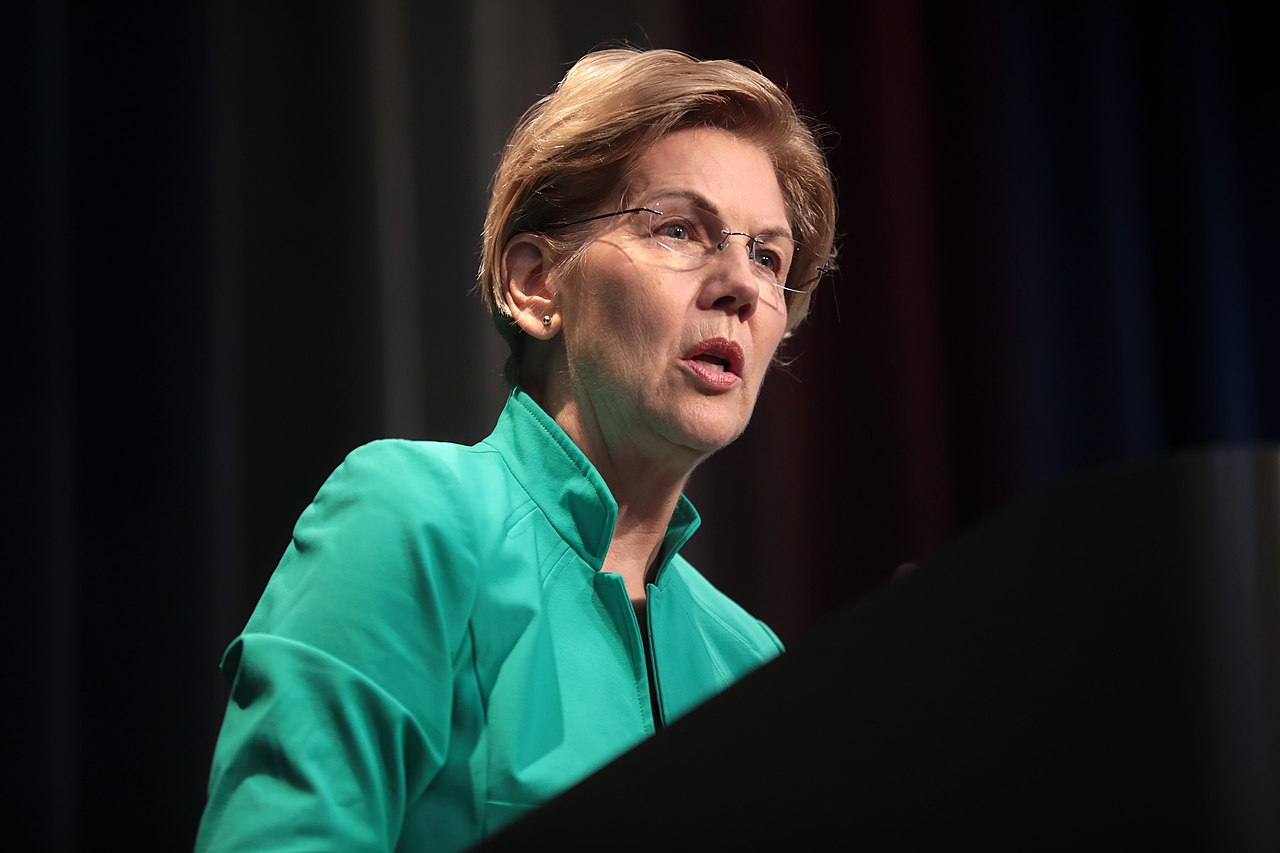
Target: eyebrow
point(708, 205)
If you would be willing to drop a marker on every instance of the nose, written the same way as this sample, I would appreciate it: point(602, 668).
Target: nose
point(734, 285)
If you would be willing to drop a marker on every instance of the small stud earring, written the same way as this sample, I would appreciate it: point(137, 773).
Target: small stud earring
point(546, 320)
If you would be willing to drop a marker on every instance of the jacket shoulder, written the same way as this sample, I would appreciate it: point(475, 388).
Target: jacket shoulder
point(389, 540)
point(424, 468)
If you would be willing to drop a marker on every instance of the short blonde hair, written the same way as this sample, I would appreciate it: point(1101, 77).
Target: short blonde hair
point(576, 148)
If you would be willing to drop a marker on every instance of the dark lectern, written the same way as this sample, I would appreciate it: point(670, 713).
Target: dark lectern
point(1094, 668)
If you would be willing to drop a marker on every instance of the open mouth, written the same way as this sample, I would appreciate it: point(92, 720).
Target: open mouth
point(712, 362)
point(716, 356)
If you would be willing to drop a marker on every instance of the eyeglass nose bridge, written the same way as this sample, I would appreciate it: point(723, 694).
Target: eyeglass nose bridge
point(752, 243)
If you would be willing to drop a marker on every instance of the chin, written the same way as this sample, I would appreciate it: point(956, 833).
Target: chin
point(708, 429)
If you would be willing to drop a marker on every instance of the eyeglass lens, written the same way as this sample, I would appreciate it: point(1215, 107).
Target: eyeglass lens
point(696, 233)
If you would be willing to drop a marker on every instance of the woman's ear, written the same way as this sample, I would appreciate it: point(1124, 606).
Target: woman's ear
point(526, 267)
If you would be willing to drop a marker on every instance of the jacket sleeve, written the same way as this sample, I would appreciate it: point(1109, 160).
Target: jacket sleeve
point(341, 683)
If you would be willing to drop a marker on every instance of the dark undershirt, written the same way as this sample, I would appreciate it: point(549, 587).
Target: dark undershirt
point(643, 621)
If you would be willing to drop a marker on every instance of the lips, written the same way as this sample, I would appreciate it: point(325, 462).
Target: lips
point(718, 361)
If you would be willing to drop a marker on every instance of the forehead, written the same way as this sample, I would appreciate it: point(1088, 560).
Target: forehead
point(734, 175)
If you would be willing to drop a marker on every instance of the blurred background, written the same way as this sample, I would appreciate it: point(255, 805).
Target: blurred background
point(242, 240)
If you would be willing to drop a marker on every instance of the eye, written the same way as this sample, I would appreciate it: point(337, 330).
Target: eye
point(673, 230)
point(682, 234)
point(770, 261)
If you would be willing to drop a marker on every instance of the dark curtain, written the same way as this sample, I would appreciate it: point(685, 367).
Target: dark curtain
point(1059, 253)
point(242, 239)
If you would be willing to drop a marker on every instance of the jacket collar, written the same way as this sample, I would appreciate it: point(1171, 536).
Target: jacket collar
point(566, 486)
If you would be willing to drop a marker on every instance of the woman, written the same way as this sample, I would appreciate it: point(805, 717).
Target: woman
point(456, 634)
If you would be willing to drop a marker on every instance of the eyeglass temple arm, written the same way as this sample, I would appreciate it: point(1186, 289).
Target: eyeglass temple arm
point(602, 216)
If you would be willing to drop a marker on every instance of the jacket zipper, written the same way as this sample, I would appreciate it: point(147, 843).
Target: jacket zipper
point(655, 700)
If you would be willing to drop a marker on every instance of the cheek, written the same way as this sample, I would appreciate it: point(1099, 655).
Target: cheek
point(604, 288)
point(630, 309)
point(614, 333)
point(769, 339)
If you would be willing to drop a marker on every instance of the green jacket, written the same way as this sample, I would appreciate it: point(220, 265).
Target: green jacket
point(437, 651)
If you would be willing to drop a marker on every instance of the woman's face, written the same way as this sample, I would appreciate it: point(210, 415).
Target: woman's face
point(662, 363)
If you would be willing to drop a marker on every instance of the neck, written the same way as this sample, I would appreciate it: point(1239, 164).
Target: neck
point(633, 553)
point(646, 495)
point(646, 484)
